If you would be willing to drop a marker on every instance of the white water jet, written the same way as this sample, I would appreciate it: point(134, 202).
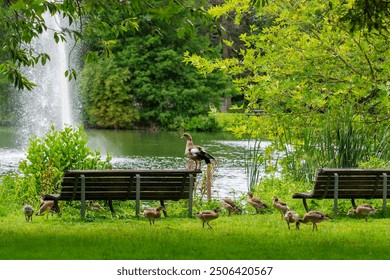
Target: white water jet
point(50, 102)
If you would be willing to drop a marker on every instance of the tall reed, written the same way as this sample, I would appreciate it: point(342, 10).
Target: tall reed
point(253, 163)
point(341, 141)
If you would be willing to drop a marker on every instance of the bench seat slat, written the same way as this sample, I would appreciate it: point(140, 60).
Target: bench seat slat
point(367, 195)
point(125, 191)
point(122, 181)
point(120, 196)
point(126, 185)
point(125, 172)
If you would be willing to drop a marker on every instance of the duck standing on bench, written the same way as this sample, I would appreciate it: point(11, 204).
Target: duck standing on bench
point(196, 153)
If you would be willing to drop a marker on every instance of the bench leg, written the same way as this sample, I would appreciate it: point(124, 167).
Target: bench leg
point(353, 203)
point(191, 195)
point(137, 195)
point(305, 205)
point(111, 207)
point(56, 208)
point(164, 210)
point(384, 193)
point(336, 193)
point(83, 208)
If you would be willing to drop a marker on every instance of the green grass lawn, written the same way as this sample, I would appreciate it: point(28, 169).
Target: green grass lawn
point(241, 237)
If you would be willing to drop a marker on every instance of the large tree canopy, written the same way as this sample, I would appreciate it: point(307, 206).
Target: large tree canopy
point(144, 79)
point(308, 70)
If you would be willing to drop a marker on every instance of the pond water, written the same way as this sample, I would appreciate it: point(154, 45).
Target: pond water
point(154, 150)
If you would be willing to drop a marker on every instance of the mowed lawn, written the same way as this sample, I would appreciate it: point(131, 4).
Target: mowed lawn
point(240, 237)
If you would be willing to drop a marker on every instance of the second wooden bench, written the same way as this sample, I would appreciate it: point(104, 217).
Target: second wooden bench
point(338, 183)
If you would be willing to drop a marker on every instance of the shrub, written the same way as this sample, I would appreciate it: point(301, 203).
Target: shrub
point(202, 123)
point(48, 157)
point(374, 162)
point(229, 120)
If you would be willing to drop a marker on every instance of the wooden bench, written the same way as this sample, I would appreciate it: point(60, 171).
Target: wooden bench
point(351, 184)
point(123, 185)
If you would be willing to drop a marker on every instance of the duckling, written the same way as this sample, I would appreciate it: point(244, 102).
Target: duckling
point(95, 206)
point(196, 153)
point(46, 206)
point(152, 214)
point(208, 215)
point(230, 206)
point(313, 217)
point(256, 202)
point(364, 210)
point(291, 217)
point(54, 208)
point(28, 211)
point(280, 206)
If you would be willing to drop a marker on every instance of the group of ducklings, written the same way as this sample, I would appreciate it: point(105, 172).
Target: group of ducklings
point(206, 216)
point(286, 213)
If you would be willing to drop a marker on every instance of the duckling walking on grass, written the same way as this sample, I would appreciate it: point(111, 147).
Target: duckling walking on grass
point(28, 211)
point(363, 210)
point(46, 206)
point(152, 214)
point(280, 206)
point(313, 217)
point(230, 206)
point(256, 202)
point(208, 215)
point(291, 217)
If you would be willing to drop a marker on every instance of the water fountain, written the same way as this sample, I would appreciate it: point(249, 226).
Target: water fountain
point(50, 102)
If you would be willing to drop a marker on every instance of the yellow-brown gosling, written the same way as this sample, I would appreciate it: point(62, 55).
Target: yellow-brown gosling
point(230, 206)
point(280, 206)
point(363, 210)
point(256, 202)
point(196, 153)
point(95, 206)
point(152, 214)
point(28, 211)
point(208, 215)
point(46, 206)
point(291, 217)
point(313, 217)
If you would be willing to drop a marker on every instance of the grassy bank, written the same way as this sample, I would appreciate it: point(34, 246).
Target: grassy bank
point(263, 236)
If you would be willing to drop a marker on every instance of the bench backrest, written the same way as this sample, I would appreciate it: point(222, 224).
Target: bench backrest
point(352, 183)
point(122, 184)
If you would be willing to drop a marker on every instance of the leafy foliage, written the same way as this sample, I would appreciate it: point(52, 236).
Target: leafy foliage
point(22, 21)
point(322, 88)
point(159, 89)
point(367, 15)
point(201, 123)
point(106, 95)
point(49, 157)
